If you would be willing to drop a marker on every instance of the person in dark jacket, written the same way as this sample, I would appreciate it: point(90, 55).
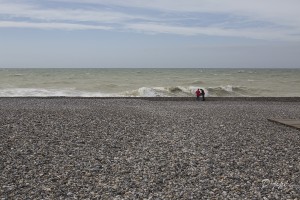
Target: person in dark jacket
point(202, 94)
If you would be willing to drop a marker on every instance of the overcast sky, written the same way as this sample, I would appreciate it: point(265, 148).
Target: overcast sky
point(150, 33)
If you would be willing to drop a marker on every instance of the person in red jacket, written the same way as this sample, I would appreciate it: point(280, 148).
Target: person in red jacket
point(198, 93)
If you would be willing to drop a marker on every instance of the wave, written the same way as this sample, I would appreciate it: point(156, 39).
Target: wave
point(161, 92)
point(231, 91)
point(197, 82)
point(41, 92)
point(16, 74)
point(180, 91)
point(177, 91)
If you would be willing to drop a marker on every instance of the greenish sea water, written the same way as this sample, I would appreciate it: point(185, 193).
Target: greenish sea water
point(149, 82)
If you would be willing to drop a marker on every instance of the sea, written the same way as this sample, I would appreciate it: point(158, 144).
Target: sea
point(149, 82)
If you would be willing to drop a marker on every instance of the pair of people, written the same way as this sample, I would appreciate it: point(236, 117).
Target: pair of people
point(200, 92)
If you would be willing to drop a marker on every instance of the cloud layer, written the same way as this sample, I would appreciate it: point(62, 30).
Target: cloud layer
point(256, 19)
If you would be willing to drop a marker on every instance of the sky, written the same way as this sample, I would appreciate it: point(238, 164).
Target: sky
point(150, 33)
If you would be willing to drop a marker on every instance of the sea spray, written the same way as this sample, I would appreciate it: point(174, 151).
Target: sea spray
point(177, 91)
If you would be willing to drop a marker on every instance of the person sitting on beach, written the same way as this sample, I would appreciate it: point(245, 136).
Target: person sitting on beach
point(203, 94)
point(198, 93)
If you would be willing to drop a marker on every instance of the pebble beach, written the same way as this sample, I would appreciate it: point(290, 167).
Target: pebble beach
point(114, 148)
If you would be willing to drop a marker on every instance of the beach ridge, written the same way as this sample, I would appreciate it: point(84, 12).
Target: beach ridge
point(128, 148)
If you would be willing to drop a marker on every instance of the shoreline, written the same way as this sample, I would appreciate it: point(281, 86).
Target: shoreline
point(277, 99)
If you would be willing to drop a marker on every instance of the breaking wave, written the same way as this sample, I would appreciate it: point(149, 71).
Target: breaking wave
point(16, 74)
point(231, 91)
point(177, 91)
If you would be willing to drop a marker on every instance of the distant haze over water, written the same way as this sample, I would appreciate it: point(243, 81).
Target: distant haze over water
point(149, 82)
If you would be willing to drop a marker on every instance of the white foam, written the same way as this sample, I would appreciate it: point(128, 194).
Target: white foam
point(153, 92)
point(183, 91)
point(227, 88)
point(41, 92)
